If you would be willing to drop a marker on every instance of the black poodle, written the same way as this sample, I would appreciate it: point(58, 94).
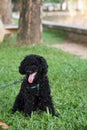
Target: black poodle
point(35, 90)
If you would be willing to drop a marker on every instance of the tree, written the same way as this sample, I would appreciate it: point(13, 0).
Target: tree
point(29, 31)
point(16, 5)
point(61, 3)
point(77, 8)
point(6, 11)
point(67, 5)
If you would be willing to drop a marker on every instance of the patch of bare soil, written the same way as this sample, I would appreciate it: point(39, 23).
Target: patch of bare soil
point(73, 48)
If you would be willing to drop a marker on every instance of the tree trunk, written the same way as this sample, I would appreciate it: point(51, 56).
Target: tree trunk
point(67, 8)
point(17, 6)
point(77, 1)
point(30, 26)
point(61, 3)
point(6, 11)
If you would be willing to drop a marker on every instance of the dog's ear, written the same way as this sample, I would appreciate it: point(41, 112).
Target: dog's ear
point(22, 66)
point(43, 65)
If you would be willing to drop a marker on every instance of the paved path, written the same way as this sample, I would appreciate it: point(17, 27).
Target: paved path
point(73, 48)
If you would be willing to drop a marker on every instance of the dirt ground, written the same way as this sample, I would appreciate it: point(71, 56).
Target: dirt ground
point(73, 48)
point(72, 18)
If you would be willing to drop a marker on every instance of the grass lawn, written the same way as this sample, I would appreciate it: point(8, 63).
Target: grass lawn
point(68, 80)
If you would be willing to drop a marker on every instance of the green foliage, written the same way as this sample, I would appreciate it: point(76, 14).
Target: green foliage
point(14, 0)
point(54, 1)
point(68, 80)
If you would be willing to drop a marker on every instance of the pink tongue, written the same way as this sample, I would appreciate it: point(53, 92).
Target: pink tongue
point(31, 77)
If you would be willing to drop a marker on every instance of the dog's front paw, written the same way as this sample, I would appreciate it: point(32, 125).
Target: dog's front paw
point(13, 110)
point(27, 115)
point(56, 114)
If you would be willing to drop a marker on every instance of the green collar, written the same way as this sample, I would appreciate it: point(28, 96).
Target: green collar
point(36, 86)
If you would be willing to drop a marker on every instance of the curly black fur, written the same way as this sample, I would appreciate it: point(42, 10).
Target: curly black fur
point(35, 95)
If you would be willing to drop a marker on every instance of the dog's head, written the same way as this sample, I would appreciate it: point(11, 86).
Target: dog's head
point(34, 67)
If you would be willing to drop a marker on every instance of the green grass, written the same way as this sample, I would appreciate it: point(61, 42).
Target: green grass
point(68, 79)
point(53, 36)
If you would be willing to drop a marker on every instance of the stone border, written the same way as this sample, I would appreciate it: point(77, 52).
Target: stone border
point(74, 32)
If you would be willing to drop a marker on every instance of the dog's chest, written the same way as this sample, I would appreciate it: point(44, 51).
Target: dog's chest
point(34, 89)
